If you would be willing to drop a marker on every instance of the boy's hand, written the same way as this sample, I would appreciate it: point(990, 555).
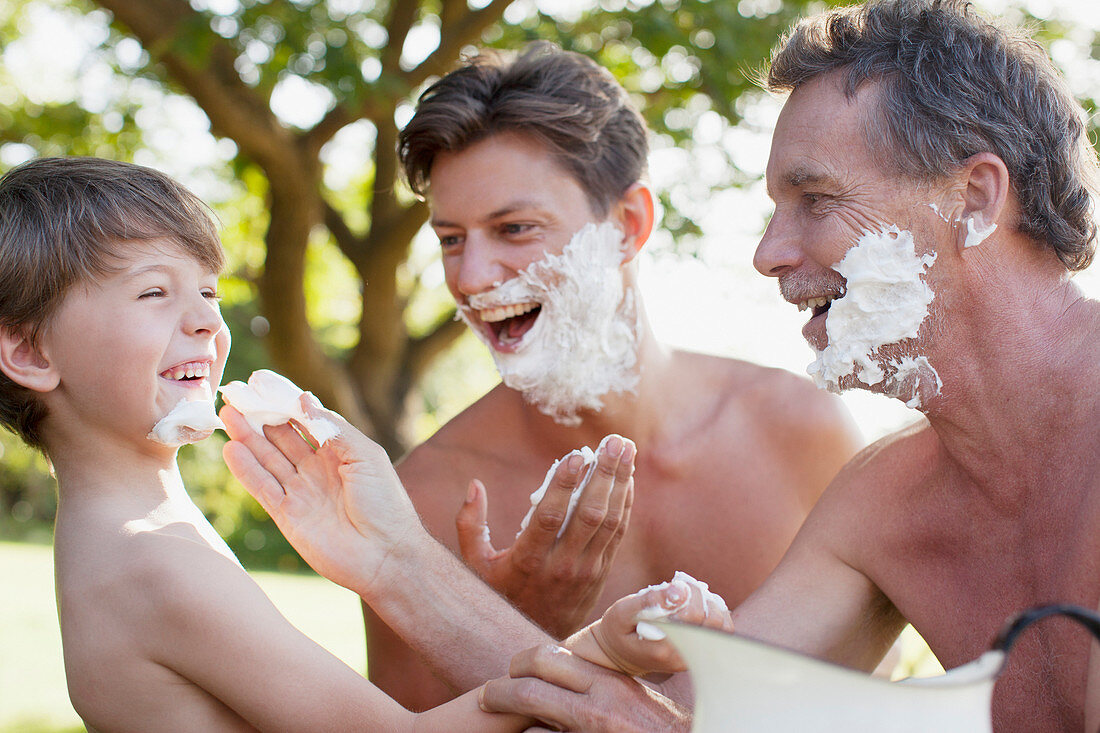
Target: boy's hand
point(341, 506)
point(623, 641)
point(554, 574)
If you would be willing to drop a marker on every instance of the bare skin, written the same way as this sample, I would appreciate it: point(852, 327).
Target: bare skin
point(731, 455)
point(162, 628)
point(991, 505)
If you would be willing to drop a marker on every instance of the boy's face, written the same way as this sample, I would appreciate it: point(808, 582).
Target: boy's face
point(129, 347)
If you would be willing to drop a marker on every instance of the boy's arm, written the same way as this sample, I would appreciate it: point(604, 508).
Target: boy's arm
point(208, 622)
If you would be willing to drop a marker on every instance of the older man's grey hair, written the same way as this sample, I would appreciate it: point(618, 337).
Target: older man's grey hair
point(953, 84)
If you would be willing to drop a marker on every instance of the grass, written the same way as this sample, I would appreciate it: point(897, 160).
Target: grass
point(33, 697)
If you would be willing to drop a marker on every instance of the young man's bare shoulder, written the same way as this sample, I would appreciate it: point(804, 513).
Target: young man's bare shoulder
point(778, 403)
point(482, 435)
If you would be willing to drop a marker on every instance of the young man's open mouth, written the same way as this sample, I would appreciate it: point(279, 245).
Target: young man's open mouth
point(506, 325)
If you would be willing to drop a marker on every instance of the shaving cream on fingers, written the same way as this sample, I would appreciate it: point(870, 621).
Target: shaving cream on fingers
point(272, 399)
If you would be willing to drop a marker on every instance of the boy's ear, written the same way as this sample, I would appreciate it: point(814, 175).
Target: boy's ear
point(986, 185)
point(634, 213)
point(24, 363)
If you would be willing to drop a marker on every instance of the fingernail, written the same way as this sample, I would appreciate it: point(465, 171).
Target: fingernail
point(574, 463)
point(313, 401)
point(471, 493)
point(481, 699)
point(614, 447)
point(675, 594)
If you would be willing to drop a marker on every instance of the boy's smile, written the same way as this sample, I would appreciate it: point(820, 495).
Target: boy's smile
point(134, 344)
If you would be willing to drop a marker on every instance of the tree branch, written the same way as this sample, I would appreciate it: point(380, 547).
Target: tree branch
point(349, 244)
point(402, 16)
point(422, 351)
point(464, 31)
point(235, 110)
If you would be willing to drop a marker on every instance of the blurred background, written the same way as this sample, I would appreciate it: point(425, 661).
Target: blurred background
point(283, 114)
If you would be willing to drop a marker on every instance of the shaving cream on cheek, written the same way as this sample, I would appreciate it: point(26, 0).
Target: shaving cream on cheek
point(885, 302)
point(583, 344)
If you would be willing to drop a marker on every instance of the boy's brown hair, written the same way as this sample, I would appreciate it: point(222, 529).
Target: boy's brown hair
point(563, 100)
point(61, 222)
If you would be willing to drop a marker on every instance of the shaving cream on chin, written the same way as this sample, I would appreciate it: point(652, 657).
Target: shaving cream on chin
point(187, 422)
point(584, 344)
point(885, 302)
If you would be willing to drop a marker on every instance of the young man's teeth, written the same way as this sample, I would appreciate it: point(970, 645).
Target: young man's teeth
point(500, 313)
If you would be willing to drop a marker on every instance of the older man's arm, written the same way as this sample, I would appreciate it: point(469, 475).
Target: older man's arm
point(816, 602)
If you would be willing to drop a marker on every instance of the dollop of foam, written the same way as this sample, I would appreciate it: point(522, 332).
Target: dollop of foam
point(188, 422)
point(584, 344)
point(657, 612)
point(272, 399)
point(975, 236)
point(886, 300)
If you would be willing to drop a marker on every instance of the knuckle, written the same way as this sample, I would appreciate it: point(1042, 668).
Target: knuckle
point(549, 519)
point(563, 572)
point(527, 691)
point(529, 564)
point(590, 516)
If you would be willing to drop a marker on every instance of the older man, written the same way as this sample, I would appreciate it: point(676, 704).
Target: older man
point(532, 165)
point(932, 178)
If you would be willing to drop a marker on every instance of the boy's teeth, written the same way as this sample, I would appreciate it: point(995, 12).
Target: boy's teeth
point(187, 371)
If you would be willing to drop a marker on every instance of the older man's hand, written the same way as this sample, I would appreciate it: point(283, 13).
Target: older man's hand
point(565, 692)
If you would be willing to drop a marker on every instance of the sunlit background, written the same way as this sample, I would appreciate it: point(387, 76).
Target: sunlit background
point(701, 291)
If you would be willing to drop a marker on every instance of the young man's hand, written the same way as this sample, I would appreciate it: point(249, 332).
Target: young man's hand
point(621, 640)
point(341, 506)
point(554, 579)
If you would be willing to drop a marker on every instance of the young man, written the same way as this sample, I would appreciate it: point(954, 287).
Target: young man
point(111, 347)
point(933, 186)
point(533, 168)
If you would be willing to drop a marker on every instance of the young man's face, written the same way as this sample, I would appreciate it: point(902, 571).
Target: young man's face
point(536, 275)
point(498, 206)
point(131, 346)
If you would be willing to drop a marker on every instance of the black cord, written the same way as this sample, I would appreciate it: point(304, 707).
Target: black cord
point(1007, 636)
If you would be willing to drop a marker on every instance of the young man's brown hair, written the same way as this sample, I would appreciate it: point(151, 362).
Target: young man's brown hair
point(60, 222)
point(561, 99)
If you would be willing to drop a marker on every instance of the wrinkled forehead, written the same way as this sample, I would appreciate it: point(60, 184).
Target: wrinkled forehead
point(821, 133)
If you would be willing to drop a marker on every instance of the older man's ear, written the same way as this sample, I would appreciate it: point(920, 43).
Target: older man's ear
point(985, 187)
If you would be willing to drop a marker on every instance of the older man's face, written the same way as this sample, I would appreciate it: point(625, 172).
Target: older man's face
point(830, 195)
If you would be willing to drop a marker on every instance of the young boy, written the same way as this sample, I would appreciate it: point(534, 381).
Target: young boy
point(109, 322)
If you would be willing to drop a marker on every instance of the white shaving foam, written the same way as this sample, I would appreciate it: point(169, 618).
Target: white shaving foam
point(187, 422)
point(537, 495)
point(584, 344)
point(939, 213)
point(909, 375)
point(886, 300)
point(272, 399)
point(975, 236)
point(658, 612)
